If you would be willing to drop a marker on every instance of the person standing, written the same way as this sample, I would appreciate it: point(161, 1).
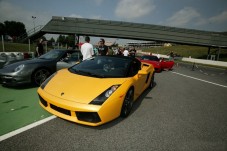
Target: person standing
point(171, 55)
point(39, 48)
point(125, 52)
point(87, 49)
point(132, 52)
point(103, 49)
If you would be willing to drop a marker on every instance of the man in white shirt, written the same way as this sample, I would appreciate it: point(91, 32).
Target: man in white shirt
point(125, 52)
point(87, 49)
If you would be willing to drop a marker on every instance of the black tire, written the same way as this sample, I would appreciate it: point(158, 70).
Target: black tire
point(151, 85)
point(127, 104)
point(39, 76)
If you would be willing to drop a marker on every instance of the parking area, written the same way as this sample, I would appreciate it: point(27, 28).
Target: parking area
point(186, 110)
point(19, 107)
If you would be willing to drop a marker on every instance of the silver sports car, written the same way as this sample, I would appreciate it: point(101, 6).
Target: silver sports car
point(37, 70)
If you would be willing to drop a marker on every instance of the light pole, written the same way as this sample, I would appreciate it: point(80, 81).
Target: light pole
point(33, 17)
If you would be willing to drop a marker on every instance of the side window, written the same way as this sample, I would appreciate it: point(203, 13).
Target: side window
point(135, 67)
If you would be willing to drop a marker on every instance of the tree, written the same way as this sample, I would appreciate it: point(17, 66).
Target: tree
point(2, 29)
point(14, 29)
point(61, 39)
point(70, 40)
point(51, 42)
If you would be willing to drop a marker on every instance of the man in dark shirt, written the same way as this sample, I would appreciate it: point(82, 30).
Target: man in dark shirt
point(102, 49)
point(39, 48)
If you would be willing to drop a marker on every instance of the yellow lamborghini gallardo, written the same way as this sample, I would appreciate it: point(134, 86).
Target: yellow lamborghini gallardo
point(97, 90)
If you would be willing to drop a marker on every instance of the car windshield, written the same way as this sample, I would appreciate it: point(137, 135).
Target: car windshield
point(152, 58)
point(53, 54)
point(103, 67)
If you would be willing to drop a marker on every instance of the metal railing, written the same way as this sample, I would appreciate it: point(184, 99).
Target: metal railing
point(30, 32)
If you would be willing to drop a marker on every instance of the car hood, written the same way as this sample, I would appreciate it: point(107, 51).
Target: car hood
point(36, 61)
point(79, 88)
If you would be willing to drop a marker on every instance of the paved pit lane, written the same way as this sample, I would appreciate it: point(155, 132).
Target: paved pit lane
point(185, 111)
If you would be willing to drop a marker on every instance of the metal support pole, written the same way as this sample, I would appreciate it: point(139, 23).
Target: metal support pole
point(46, 46)
point(3, 45)
point(77, 41)
point(33, 17)
point(208, 53)
point(219, 50)
point(29, 45)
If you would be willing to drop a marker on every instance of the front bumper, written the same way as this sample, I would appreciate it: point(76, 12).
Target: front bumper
point(13, 80)
point(86, 114)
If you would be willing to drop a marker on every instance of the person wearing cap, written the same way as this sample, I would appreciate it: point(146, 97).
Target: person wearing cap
point(102, 49)
point(87, 49)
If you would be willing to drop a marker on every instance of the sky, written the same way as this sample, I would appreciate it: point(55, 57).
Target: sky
point(208, 15)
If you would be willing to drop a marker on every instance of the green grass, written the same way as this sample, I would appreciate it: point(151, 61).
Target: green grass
point(17, 47)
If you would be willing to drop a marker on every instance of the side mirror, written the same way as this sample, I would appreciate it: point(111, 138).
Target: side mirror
point(142, 72)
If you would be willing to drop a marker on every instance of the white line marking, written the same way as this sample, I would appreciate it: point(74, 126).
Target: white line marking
point(18, 131)
point(200, 80)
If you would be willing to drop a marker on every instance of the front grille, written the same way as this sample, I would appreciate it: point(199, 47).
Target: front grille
point(61, 110)
point(92, 117)
point(43, 101)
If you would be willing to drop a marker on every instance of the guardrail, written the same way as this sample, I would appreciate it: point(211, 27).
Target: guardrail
point(30, 32)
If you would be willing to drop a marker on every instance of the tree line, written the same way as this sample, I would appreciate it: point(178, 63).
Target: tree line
point(16, 29)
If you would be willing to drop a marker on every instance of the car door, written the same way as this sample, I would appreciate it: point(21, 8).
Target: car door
point(166, 64)
point(139, 79)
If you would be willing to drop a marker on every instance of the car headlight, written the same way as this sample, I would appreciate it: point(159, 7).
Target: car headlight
point(20, 67)
point(105, 95)
point(47, 80)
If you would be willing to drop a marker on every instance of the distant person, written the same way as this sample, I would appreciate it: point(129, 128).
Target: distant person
point(132, 52)
point(119, 51)
point(87, 49)
point(103, 49)
point(171, 55)
point(125, 52)
point(39, 48)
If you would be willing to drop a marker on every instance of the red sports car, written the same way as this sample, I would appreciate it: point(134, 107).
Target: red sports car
point(159, 64)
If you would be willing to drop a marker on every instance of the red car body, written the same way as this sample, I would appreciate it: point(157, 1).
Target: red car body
point(159, 64)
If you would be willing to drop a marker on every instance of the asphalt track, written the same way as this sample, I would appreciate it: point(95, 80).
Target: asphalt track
point(185, 111)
